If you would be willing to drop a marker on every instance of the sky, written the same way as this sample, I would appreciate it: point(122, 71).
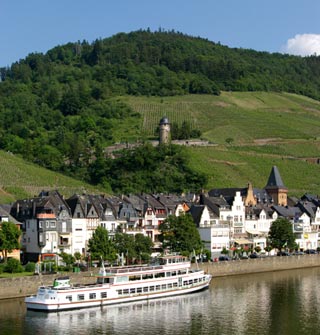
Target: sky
point(33, 26)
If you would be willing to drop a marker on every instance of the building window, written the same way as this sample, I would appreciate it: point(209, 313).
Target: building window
point(52, 224)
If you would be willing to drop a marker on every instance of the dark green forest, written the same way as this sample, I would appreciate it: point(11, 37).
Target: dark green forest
point(60, 109)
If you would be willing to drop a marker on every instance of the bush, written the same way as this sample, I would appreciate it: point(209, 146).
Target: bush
point(13, 266)
point(30, 267)
point(1, 268)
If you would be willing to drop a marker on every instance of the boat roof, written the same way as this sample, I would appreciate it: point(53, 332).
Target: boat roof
point(144, 268)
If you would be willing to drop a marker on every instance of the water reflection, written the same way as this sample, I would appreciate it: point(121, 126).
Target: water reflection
point(273, 303)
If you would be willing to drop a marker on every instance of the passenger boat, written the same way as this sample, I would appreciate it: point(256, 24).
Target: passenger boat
point(172, 275)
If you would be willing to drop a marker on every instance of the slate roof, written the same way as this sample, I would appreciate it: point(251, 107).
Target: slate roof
point(307, 207)
point(275, 180)
point(196, 212)
point(164, 120)
point(287, 212)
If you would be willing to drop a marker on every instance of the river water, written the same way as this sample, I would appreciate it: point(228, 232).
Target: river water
point(285, 302)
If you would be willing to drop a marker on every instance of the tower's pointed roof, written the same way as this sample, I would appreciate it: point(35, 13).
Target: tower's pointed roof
point(164, 120)
point(275, 180)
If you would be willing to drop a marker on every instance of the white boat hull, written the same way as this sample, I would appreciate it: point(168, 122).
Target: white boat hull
point(32, 303)
point(171, 276)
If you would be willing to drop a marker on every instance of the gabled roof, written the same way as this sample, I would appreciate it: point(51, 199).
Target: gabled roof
point(256, 210)
point(227, 193)
point(312, 198)
point(287, 212)
point(4, 212)
point(307, 207)
point(214, 204)
point(196, 212)
point(275, 180)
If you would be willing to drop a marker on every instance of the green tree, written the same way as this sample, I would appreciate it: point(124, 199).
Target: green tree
point(67, 259)
point(281, 234)
point(9, 238)
point(124, 244)
point(143, 247)
point(101, 246)
point(179, 234)
point(13, 266)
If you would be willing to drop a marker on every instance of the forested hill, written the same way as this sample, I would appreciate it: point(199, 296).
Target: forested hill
point(160, 63)
point(61, 109)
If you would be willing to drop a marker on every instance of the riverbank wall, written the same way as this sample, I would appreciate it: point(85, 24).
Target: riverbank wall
point(257, 265)
point(24, 286)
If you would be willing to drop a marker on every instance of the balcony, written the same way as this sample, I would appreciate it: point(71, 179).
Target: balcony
point(45, 216)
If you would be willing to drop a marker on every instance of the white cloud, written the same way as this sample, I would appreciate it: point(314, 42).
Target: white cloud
point(303, 45)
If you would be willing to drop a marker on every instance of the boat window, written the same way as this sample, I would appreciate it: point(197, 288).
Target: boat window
point(119, 292)
point(185, 282)
point(92, 295)
point(122, 279)
point(139, 289)
point(158, 288)
point(69, 297)
point(170, 285)
point(146, 289)
point(173, 273)
point(190, 282)
point(151, 288)
point(159, 275)
point(134, 277)
point(103, 295)
point(132, 290)
point(168, 274)
point(80, 297)
point(175, 284)
point(126, 291)
point(147, 276)
point(196, 280)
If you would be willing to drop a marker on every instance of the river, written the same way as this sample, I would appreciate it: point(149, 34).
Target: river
point(285, 302)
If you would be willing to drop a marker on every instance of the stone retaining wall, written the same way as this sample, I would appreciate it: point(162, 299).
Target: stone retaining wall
point(23, 286)
point(256, 265)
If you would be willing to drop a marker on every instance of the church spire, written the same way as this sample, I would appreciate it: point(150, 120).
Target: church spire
point(276, 189)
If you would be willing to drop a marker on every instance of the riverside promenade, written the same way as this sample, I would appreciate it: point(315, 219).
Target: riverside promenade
point(24, 286)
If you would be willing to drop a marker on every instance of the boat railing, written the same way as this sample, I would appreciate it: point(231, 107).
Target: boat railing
point(134, 269)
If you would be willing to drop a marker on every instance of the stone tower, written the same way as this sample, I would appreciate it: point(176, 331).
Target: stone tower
point(276, 189)
point(164, 129)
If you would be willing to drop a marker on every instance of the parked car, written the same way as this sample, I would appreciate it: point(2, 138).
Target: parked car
point(254, 255)
point(310, 251)
point(224, 258)
point(297, 253)
point(283, 253)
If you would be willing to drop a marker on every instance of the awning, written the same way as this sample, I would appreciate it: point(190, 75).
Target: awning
point(254, 232)
point(243, 241)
